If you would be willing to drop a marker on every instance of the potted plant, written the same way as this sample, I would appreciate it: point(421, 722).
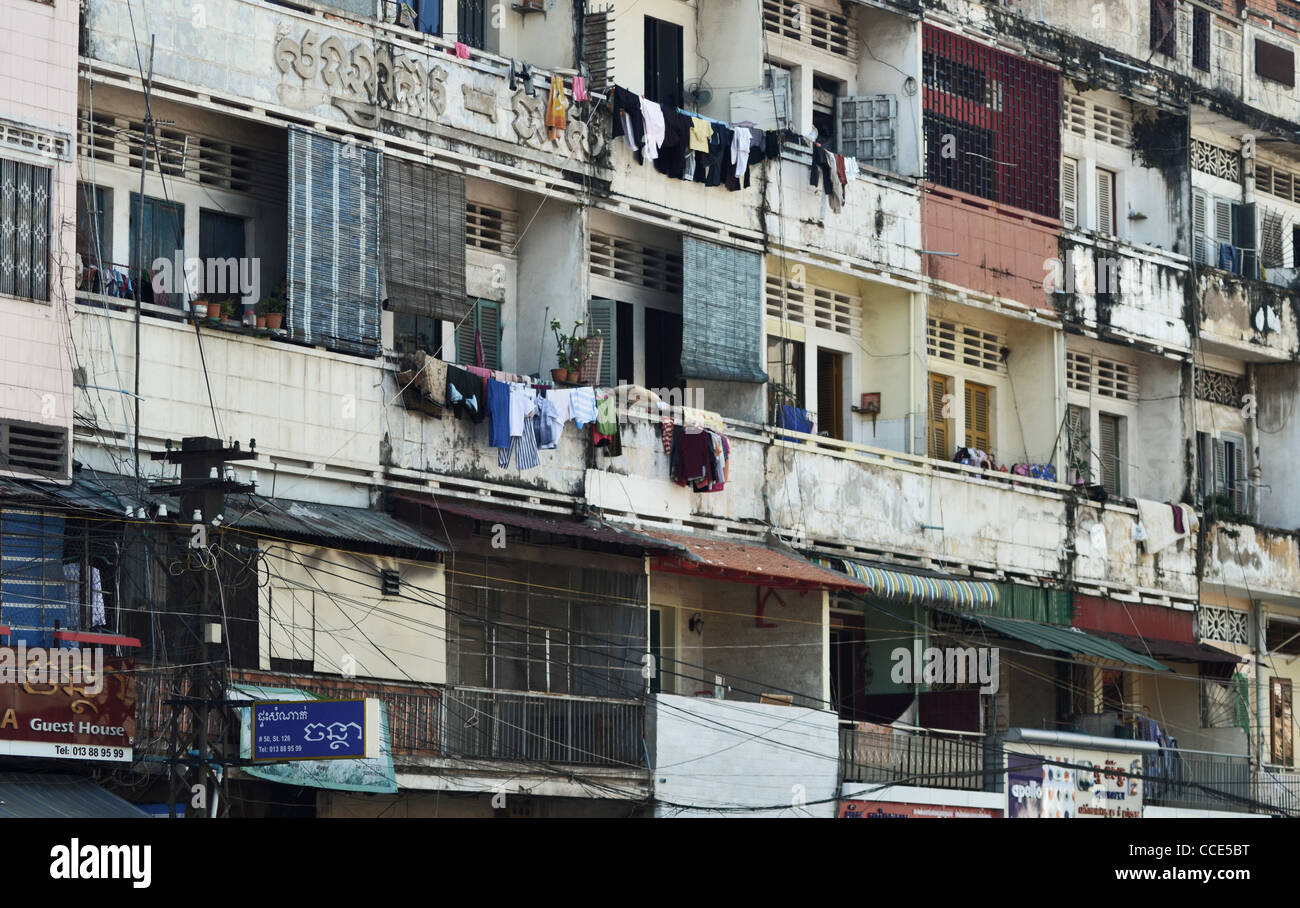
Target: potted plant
point(577, 351)
point(272, 308)
point(228, 312)
point(561, 353)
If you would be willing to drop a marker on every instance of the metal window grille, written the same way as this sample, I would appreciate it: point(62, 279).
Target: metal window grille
point(816, 26)
point(24, 230)
point(635, 263)
point(1219, 387)
point(964, 344)
point(490, 228)
point(1223, 624)
point(1003, 114)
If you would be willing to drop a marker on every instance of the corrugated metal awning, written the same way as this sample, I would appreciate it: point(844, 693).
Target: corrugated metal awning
point(29, 796)
point(918, 587)
point(735, 561)
point(308, 521)
point(1058, 639)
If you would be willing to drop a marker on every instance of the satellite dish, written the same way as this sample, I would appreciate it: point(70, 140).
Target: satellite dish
point(699, 93)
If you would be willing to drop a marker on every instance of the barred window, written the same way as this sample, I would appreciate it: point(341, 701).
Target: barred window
point(24, 230)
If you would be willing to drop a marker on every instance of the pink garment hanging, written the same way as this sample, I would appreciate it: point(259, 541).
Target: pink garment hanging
point(580, 89)
point(462, 50)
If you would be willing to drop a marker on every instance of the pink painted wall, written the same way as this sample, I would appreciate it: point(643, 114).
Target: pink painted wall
point(1000, 250)
point(38, 89)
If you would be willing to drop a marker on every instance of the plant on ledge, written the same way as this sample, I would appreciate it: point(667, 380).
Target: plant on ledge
point(272, 308)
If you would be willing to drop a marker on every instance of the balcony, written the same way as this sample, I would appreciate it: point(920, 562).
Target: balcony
point(1277, 789)
point(440, 721)
point(920, 757)
point(1197, 780)
point(1246, 318)
point(1122, 289)
point(1254, 562)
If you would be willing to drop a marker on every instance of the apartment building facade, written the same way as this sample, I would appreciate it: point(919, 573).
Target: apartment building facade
point(1020, 384)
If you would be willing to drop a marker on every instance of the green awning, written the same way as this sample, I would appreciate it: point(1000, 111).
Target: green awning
point(917, 587)
point(1062, 640)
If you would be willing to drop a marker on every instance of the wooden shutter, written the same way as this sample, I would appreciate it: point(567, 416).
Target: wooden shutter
point(939, 427)
point(1222, 221)
point(1239, 487)
point(1280, 718)
point(978, 433)
point(596, 43)
point(487, 321)
point(1070, 192)
point(1106, 202)
point(1220, 467)
point(602, 319)
point(424, 240)
point(1199, 238)
point(1108, 442)
point(866, 128)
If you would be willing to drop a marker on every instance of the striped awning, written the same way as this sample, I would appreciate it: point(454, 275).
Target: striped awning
point(916, 588)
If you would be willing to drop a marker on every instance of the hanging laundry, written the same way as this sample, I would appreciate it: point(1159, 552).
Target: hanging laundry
point(628, 120)
point(499, 414)
point(718, 156)
point(561, 399)
point(789, 416)
point(666, 434)
point(675, 148)
point(604, 432)
point(522, 403)
point(580, 89)
point(701, 132)
point(582, 401)
point(653, 116)
point(523, 447)
point(557, 108)
point(466, 393)
point(462, 50)
point(548, 425)
point(851, 168)
point(740, 150)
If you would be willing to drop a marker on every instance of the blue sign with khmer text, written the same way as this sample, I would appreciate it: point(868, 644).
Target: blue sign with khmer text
point(309, 730)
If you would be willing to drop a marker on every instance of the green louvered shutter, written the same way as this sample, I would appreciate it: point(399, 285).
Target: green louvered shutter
point(486, 318)
point(602, 319)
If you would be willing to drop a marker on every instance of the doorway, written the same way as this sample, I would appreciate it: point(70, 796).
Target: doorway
point(830, 393)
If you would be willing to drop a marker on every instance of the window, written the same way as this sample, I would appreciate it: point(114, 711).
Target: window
point(469, 20)
point(826, 93)
point(963, 344)
point(866, 126)
point(1079, 443)
point(1201, 38)
point(1069, 192)
point(1270, 238)
point(611, 320)
point(1110, 453)
point(93, 242)
point(1215, 242)
point(663, 349)
point(413, 332)
point(940, 403)
point(1105, 220)
point(163, 234)
point(979, 431)
point(959, 156)
point(1279, 713)
point(1164, 36)
point(663, 63)
point(486, 322)
point(1275, 63)
point(785, 366)
point(1221, 469)
point(221, 248)
point(24, 230)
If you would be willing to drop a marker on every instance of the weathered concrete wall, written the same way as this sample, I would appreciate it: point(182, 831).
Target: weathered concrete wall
point(1253, 319)
point(1278, 387)
point(720, 753)
point(1258, 562)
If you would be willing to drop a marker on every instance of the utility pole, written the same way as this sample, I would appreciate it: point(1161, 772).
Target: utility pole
point(201, 686)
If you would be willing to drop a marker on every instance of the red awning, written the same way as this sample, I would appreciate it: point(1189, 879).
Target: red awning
point(718, 558)
point(98, 639)
point(4, 630)
point(1132, 619)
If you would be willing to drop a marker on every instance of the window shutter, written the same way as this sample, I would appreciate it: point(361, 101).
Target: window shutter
point(488, 315)
point(424, 240)
point(866, 128)
point(939, 444)
point(722, 312)
point(1239, 476)
point(1069, 192)
point(1108, 430)
point(595, 49)
point(1199, 238)
point(1220, 467)
point(1223, 220)
point(977, 417)
point(602, 319)
point(465, 353)
point(1105, 202)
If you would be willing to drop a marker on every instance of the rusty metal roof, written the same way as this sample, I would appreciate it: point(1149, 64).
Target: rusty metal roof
point(739, 561)
point(557, 524)
point(308, 521)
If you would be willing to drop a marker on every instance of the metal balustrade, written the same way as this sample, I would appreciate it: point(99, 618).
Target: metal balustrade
point(922, 758)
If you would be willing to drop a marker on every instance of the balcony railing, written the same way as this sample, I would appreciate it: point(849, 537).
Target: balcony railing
point(1277, 791)
point(513, 725)
point(442, 721)
point(926, 759)
point(1206, 781)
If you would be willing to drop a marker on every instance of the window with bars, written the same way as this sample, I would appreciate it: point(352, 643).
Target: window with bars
point(1223, 625)
point(25, 230)
point(1003, 114)
point(633, 262)
point(1270, 238)
point(1219, 387)
point(1201, 38)
point(824, 29)
point(490, 228)
point(1095, 120)
point(1099, 376)
point(1164, 37)
point(819, 307)
point(964, 344)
